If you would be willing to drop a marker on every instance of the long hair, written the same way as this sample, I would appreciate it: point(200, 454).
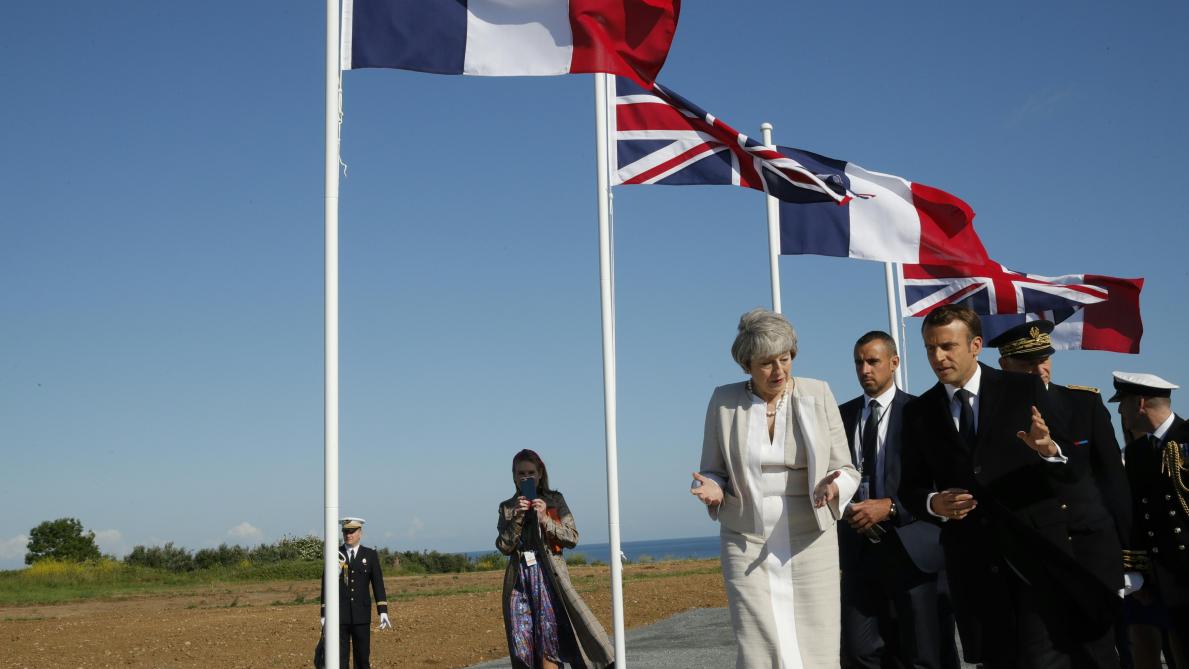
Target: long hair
point(531, 456)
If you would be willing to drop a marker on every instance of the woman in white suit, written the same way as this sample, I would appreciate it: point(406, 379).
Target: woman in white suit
point(776, 473)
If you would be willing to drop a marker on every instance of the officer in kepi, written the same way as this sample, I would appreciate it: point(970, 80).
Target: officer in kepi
point(359, 569)
point(1079, 415)
point(1157, 463)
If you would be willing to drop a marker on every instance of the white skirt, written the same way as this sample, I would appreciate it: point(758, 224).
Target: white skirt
point(784, 594)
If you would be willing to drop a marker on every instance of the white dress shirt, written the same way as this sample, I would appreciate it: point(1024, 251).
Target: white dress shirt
point(884, 400)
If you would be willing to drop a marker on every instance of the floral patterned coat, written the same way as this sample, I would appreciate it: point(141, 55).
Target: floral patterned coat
point(583, 641)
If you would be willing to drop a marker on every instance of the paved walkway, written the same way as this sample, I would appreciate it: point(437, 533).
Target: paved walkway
point(697, 639)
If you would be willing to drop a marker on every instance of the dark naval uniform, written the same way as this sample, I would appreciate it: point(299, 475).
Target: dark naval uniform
point(355, 603)
point(1083, 420)
point(1158, 470)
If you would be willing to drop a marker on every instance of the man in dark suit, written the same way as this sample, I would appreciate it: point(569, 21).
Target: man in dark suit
point(359, 568)
point(1157, 464)
point(979, 459)
point(889, 559)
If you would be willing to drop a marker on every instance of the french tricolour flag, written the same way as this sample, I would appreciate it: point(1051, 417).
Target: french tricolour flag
point(888, 219)
point(510, 37)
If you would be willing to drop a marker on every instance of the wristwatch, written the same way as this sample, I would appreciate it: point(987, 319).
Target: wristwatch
point(892, 511)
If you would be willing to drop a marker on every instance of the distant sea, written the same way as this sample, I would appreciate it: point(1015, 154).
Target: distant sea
point(693, 548)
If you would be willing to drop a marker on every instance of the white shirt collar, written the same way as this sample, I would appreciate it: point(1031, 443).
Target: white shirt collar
point(1159, 432)
point(884, 398)
point(971, 385)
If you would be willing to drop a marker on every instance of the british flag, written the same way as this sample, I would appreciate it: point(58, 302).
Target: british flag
point(1091, 311)
point(662, 138)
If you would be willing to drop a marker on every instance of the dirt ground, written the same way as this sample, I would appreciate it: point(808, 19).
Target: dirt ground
point(439, 621)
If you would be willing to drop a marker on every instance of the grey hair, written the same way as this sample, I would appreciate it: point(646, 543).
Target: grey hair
point(763, 334)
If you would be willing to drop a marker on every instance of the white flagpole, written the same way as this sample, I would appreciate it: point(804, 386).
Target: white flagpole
point(893, 322)
point(773, 231)
point(903, 329)
point(604, 85)
point(331, 408)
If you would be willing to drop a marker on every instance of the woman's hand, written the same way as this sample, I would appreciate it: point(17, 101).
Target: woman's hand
point(709, 492)
point(826, 490)
point(522, 505)
point(539, 507)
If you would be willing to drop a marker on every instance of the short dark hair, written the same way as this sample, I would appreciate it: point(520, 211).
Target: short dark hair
point(949, 313)
point(877, 335)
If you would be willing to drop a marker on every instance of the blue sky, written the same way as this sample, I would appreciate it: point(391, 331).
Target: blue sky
point(161, 250)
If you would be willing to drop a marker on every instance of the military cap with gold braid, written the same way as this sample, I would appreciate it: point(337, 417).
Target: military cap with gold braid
point(1027, 341)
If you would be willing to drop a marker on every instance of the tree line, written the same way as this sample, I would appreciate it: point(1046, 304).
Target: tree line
point(66, 540)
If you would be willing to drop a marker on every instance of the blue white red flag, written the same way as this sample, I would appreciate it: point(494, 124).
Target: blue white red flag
point(662, 138)
point(1091, 311)
point(889, 219)
point(628, 38)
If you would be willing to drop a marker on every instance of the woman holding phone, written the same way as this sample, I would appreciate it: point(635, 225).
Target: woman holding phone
point(545, 620)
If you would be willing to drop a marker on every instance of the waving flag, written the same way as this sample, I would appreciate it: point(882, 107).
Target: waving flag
point(629, 38)
point(890, 219)
point(1091, 311)
point(662, 138)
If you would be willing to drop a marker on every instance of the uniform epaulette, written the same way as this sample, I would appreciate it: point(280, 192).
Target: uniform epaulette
point(1089, 389)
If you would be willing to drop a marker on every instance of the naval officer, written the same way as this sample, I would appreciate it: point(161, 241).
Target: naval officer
point(1156, 462)
point(359, 569)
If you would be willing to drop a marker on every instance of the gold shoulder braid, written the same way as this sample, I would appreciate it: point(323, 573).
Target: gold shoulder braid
point(1089, 389)
point(1173, 463)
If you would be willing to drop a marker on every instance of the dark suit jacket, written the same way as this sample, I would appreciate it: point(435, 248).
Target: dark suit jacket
point(355, 602)
point(1032, 517)
point(1161, 526)
point(919, 539)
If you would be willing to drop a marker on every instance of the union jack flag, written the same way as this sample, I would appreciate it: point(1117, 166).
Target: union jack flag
point(1091, 311)
point(993, 289)
point(662, 138)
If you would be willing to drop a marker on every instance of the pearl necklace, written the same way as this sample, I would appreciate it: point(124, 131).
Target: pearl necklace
point(779, 402)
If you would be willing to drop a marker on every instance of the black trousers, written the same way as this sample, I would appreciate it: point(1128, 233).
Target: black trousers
point(889, 607)
point(1047, 638)
point(355, 640)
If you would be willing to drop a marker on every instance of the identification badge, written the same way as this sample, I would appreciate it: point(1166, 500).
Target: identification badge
point(530, 558)
point(864, 492)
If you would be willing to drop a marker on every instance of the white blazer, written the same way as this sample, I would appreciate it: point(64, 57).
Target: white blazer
point(726, 457)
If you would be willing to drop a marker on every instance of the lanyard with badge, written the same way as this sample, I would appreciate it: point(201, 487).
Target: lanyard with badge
point(864, 492)
point(528, 490)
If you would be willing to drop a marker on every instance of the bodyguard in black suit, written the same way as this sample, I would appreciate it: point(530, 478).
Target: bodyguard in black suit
point(889, 559)
point(980, 460)
point(359, 568)
point(1158, 470)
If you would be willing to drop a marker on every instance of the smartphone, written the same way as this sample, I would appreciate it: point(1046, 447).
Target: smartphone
point(528, 488)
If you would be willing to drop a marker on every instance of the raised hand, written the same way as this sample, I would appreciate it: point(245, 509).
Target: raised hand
point(1037, 437)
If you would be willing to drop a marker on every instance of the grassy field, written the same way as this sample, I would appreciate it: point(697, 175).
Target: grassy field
point(109, 615)
point(51, 582)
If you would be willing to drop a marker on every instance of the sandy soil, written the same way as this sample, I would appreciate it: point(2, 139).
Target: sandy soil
point(439, 621)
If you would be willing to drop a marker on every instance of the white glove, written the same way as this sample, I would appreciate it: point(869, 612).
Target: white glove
point(385, 624)
point(1132, 581)
point(324, 621)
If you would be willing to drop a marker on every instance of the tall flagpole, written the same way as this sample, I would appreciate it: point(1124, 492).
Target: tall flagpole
point(330, 550)
point(893, 321)
point(903, 329)
point(773, 231)
point(603, 85)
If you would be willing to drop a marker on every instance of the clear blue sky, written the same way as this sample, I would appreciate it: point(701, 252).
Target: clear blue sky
point(161, 250)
